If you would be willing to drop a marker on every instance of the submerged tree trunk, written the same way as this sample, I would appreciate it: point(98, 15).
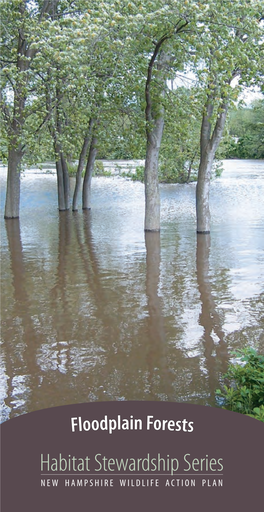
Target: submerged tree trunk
point(86, 196)
point(62, 179)
point(13, 183)
point(63, 182)
point(66, 181)
point(151, 177)
point(80, 168)
point(60, 186)
point(202, 194)
point(208, 146)
point(154, 130)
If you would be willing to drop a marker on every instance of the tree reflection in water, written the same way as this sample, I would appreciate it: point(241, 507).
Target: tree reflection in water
point(215, 349)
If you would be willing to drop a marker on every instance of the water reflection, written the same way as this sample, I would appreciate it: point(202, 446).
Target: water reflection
point(156, 359)
point(215, 349)
point(58, 357)
point(19, 352)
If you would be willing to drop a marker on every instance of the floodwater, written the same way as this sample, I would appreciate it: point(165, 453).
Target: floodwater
point(94, 310)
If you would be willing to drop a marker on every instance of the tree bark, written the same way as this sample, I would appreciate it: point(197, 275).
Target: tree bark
point(202, 194)
point(80, 168)
point(62, 177)
point(151, 178)
point(13, 183)
point(63, 182)
point(208, 146)
point(154, 130)
point(86, 196)
point(60, 185)
point(66, 181)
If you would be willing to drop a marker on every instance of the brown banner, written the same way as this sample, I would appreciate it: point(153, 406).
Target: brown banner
point(128, 456)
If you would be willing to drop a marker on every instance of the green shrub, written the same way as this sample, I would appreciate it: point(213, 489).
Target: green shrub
point(99, 169)
point(72, 169)
point(166, 174)
point(139, 173)
point(244, 388)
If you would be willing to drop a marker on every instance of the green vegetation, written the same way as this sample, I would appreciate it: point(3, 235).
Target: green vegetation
point(246, 132)
point(244, 391)
point(98, 170)
point(169, 172)
point(138, 175)
point(72, 168)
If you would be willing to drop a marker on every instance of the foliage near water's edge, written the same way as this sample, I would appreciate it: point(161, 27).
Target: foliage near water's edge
point(243, 387)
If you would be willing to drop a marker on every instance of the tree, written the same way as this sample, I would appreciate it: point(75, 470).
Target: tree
point(20, 20)
point(81, 164)
point(104, 52)
point(61, 66)
point(230, 38)
point(162, 24)
point(43, 60)
point(154, 131)
point(157, 71)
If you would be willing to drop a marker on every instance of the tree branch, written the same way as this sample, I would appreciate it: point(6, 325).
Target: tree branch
point(149, 77)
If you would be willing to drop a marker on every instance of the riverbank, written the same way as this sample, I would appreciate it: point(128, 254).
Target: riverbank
point(120, 167)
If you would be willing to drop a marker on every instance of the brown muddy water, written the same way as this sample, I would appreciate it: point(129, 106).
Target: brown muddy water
point(94, 310)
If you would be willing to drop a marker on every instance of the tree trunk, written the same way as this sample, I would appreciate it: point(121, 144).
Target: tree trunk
point(202, 194)
point(80, 168)
point(66, 181)
point(208, 146)
point(151, 178)
point(13, 183)
point(86, 196)
point(60, 186)
point(62, 179)
point(154, 129)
